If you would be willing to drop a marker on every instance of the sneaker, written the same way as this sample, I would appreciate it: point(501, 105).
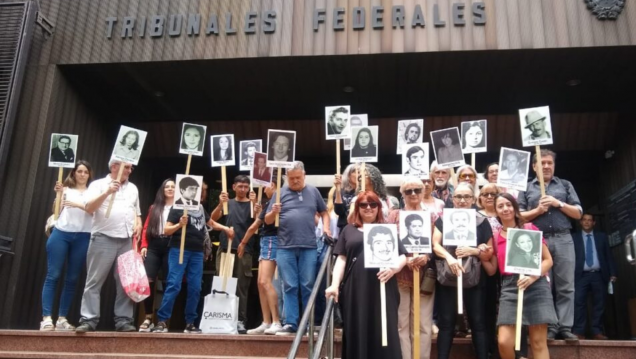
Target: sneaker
point(146, 326)
point(190, 328)
point(64, 326)
point(241, 328)
point(161, 327)
point(47, 325)
point(273, 329)
point(126, 327)
point(83, 328)
point(287, 329)
point(260, 329)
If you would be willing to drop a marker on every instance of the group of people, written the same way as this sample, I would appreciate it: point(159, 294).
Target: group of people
point(85, 236)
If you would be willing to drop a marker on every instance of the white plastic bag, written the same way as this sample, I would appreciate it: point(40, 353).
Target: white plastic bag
point(132, 275)
point(220, 313)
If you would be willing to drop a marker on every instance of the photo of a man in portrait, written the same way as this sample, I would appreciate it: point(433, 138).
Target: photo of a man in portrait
point(188, 194)
point(63, 150)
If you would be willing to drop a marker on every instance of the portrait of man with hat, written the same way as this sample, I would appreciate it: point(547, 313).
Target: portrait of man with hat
point(535, 123)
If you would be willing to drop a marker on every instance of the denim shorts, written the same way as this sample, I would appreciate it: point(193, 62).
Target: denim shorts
point(268, 248)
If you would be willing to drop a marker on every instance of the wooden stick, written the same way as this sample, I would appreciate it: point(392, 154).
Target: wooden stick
point(338, 156)
point(278, 179)
point(383, 313)
point(363, 180)
point(185, 213)
point(416, 311)
point(519, 316)
point(251, 203)
point(540, 169)
point(472, 159)
point(224, 187)
point(58, 195)
point(452, 178)
point(112, 196)
point(227, 270)
point(460, 290)
point(188, 165)
point(258, 200)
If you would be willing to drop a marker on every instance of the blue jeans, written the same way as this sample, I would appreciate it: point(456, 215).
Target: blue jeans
point(297, 269)
point(60, 246)
point(192, 267)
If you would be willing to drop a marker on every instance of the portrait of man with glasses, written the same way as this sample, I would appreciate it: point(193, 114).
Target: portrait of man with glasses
point(62, 149)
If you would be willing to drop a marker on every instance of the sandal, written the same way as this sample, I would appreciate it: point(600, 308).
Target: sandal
point(65, 326)
point(146, 326)
point(47, 325)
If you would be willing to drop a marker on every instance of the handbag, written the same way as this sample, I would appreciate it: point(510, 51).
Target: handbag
point(471, 275)
point(220, 313)
point(427, 283)
point(50, 224)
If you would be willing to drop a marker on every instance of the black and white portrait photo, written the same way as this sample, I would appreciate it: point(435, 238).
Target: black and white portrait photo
point(415, 160)
point(409, 132)
point(63, 150)
point(130, 142)
point(261, 174)
point(355, 121)
point(447, 147)
point(523, 252)
point(188, 192)
point(380, 246)
point(474, 136)
point(536, 128)
point(281, 148)
point(415, 231)
point(460, 227)
point(337, 122)
point(248, 149)
point(513, 169)
point(192, 139)
point(364, 147)
point(222, 150)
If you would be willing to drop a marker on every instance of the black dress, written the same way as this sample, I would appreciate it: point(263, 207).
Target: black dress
point(360, 303)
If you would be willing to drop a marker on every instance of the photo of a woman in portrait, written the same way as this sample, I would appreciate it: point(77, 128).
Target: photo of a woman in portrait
point(128, 145)
point(523, 252)
point(473, 138)
point(192, 139)
point(223, 149)
point(364, 145)
point(450, 151)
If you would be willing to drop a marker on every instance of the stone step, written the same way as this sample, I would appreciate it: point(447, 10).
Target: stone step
point(67, 355)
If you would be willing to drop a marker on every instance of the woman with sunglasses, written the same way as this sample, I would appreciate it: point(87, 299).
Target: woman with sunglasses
point(413, 190)
point(538, 308)
point(468, 175)
point(473, 297)
point(360, 297)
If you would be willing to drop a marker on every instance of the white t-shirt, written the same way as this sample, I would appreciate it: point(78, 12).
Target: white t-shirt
point(73, 219)
point(125, 209)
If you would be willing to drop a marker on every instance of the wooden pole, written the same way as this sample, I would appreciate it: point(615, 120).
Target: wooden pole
point(383, 313)
point(472, 159)
point(519, 316)
point(416, 311)
point(452, 178)
point(460, 290)
point(185, 213)
point(540, 169)
point(258, 199)
point(363, 180)
point(226, 271)
point(112, 196)
point(251, 203)
point(278, 179)
point(58, 195)
point(224, 187)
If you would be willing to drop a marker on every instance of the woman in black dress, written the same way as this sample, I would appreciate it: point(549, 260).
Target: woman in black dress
point(360, 299)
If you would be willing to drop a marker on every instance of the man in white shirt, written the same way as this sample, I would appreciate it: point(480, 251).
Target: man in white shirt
point(110, 237)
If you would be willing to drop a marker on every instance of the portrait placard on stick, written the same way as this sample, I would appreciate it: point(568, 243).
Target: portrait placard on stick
point(337, 122)
point(188, 192)
point(536, 128)
point(523, 252)
point(130, 142)
point(63, 150)
point(446, 145)
point(474, 136)
point(415, 160)
point(409, 132)
point(365, 147)
point(381, 246)
point(248, 149)
point(460, 227)
point(192, 139)
point(355, 121)
point(281, 148)
point(222, 150)
point(415, 230)
point(513, 172)
point(261, 174)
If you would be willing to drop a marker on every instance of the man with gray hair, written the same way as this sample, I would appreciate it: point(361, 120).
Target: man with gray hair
point(443, 190)
point(110, 237)
point(296, 255)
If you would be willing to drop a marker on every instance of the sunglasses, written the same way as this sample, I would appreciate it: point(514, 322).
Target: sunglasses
point(367, 205)
point(460, 197)
point(467, 176)
point(411, 191)
point(489, 195)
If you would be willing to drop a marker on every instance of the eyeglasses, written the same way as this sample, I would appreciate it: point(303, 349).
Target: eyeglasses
point(411, 191)
point(460, 197)
point(65, 143)
point(367, 205)
point(489, 195)
point(467, 176)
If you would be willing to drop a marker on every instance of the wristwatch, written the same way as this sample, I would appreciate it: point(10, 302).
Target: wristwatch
point(561, 204)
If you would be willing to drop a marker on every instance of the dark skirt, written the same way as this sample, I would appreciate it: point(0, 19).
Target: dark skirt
point(538, 306)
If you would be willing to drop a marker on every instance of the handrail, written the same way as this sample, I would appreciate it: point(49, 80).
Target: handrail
point(323, 328)
point(309, 311)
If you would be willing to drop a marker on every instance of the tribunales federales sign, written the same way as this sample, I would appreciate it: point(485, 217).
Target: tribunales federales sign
point(174, 25)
